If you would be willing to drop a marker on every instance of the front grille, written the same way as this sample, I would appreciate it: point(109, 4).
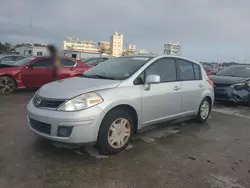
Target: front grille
point(40, 126)
point(41, 102)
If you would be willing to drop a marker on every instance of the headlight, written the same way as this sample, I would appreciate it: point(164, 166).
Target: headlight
point(81, 102)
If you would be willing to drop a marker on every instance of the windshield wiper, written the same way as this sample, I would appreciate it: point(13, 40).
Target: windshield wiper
point(98, 76)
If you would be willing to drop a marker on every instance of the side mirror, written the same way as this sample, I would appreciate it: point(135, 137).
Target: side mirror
point(151, 79)
point(213, 73)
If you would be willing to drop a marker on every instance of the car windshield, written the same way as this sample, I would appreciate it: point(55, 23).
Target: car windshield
point(117, 69)
point(23, 61)
point(239, 71)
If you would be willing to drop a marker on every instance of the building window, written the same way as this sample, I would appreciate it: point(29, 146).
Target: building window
point(39, 53)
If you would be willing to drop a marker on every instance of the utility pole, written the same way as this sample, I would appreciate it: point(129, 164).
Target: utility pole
point(31, 25)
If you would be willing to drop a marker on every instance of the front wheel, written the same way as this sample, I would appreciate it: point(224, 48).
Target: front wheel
point(115, 132)
point(204, 110)
point(7, 85)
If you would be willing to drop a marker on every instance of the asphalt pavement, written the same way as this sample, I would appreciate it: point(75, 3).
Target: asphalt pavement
point(188, 155)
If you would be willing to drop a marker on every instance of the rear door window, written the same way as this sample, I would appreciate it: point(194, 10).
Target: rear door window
point(197, 71)
point(165, 68)
point(186, 70)
point(43, 62)
point(67, 63)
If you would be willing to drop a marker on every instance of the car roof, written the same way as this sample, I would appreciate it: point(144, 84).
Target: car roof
point(161, 56)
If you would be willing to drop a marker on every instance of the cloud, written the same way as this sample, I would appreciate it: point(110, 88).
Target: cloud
point(207, 29)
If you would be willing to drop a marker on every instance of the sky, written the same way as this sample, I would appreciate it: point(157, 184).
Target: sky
point(207, 30)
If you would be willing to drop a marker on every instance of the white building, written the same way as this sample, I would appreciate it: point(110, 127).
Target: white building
point(80, 45)
point(80, 55)
point(116, 44)
point(172, 48)
point(29, 50)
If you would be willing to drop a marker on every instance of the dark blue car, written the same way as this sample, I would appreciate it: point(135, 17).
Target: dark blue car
point(232, 84)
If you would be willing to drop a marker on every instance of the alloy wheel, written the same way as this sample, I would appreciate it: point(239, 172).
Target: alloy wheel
point(7, 85)
point(204, 109)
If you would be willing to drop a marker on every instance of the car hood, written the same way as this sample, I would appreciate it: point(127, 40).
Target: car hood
point(227, 79)
point(71, 87)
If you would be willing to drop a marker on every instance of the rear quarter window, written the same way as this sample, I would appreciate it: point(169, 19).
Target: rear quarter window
point(197, 71)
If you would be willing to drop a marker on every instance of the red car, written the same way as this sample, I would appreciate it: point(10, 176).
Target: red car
point(33, 72)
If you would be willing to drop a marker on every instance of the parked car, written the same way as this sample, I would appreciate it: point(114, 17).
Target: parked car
point(209, 71)
point(232, 84)
point(112, 101)
point(95, 61)
point(34, 72)
point(10, 58)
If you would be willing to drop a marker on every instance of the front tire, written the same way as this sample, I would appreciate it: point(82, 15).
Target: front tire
point(204, 110)
point(7, 85)
point(115, 132)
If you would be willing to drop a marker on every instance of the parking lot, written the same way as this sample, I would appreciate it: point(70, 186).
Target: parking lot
point(187, 154)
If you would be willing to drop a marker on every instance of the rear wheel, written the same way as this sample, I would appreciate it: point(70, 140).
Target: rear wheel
point(115, 132)
point(204, 110)
point(7, 85)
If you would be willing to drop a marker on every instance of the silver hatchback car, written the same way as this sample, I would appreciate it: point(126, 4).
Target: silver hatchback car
point(112, 101)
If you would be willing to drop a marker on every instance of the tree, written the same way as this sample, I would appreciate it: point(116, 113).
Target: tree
point(9, 47)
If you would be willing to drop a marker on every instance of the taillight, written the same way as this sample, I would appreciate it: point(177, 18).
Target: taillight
point(211, 82)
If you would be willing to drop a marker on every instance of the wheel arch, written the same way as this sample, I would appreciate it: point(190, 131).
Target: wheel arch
point(128, 108)
point(10, 76)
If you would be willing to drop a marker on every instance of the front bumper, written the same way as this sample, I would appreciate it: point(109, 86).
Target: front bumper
point(232, 94)
point(85, 123)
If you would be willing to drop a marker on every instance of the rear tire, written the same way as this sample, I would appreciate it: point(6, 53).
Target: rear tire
point(115, 132)
point(204, 110)
point(7, 85)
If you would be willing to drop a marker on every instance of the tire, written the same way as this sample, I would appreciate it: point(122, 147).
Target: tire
point(115, 125)
point(205, 107)
point(7, 85)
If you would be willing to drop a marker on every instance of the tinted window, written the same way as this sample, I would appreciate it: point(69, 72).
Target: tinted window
point(186, 70)
point(165, 68)
point(235, 71)
point(43, 62)
point(67, 63)
point(197, 72)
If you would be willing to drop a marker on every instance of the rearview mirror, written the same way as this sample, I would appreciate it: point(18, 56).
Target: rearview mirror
point(151, 79)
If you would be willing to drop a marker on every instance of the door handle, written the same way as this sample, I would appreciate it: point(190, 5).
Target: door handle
point(176, 88)
point(200, 85)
